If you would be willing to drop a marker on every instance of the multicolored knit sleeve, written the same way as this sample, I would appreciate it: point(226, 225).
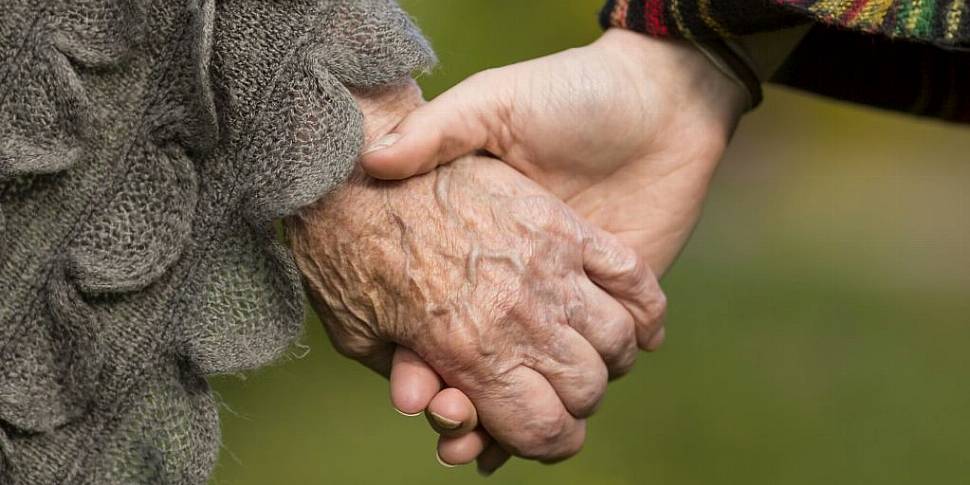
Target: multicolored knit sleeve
point(905, 55)
point(944, 22)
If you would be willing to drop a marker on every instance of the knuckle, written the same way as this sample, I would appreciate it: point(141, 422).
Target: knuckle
point(653, 320)
point(622, 361)
point(596, 380)
point(624, 266)
point(630, 266)
point(651, 308)
point(618, 341)
point(569, 447)
point(623, 365)
point(543, 437)
point(657, 308)
point(584, 406)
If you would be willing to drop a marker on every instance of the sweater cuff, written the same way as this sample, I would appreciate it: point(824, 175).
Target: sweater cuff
point(730, 60)
point(700, 20)
point(945, 23)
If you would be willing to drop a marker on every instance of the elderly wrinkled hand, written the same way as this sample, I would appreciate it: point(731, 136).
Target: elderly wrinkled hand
point(507, 294)
point(627, 130)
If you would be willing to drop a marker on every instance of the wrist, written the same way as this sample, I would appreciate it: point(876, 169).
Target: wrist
point(680, 77)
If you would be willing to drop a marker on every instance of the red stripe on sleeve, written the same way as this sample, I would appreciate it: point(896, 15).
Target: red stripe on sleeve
point(853, 11)
point(653, 13)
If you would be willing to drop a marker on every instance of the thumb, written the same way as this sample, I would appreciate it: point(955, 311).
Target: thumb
point(460, 121)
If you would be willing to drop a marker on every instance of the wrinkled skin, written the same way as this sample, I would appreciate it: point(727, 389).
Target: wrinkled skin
point(628, 131)
point(492, 281)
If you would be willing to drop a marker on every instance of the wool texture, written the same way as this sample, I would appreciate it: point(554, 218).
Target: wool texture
point(904, 55)
point(943, 22)
point(146, 147)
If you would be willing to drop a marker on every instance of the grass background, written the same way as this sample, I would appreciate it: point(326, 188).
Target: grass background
point(818, 326)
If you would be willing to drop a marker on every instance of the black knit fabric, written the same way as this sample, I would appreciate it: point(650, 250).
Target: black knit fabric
point(905, 55)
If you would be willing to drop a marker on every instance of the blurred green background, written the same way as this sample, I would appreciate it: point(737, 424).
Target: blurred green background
point(818, 330)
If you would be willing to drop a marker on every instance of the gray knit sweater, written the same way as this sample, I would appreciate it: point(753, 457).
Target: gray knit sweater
point(146, 146)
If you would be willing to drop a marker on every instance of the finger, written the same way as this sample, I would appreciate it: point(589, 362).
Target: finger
point(460, 121)
point(607, 326)
point(624, 275)
point(658, 339)
point(492, 459)
point(451, 413)
point(575, 370)
point(523, 412)
point(413, 382)
point(462, 450)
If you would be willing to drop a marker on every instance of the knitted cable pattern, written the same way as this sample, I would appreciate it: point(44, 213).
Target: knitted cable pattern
point(146, 146)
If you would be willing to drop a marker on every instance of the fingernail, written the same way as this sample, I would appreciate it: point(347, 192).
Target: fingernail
point(383, 142)
point(438, 457)
point(444, 422)
point(402, 413)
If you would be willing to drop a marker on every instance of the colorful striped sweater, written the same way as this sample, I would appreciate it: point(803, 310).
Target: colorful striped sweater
point(906, 55)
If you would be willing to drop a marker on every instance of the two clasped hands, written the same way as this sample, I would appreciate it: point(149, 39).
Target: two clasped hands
point(497, 255)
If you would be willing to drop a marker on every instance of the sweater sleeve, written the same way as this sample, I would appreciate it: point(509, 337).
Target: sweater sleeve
point(941, 22)
point(904, 55)
point(146, 148)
